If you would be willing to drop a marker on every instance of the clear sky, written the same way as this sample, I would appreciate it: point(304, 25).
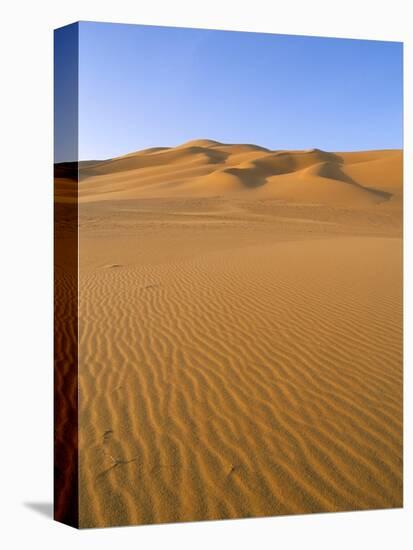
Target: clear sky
point(143, 86)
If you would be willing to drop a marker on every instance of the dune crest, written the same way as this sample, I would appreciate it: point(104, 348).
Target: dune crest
point(208, 168)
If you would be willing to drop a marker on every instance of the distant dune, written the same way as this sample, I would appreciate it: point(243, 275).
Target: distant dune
point(206, 168)
point(240, 332)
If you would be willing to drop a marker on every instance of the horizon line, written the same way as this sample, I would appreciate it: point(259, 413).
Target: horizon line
point(219, 143)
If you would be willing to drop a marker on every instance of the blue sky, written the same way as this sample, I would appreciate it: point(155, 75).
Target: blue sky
point(66, 49)
point(143, 86)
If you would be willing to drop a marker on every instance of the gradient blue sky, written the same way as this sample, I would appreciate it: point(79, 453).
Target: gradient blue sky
point(143, 86)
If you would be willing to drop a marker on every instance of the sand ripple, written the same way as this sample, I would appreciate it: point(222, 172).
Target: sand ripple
point(261, 380)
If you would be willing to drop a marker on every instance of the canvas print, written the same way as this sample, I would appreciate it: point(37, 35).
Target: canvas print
point(228, 275)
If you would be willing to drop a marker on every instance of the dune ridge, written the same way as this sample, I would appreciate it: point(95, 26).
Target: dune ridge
point(209, 168)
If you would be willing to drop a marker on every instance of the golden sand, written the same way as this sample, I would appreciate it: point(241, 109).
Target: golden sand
point(240, 333)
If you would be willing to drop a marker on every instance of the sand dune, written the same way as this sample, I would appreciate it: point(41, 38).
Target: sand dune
point(240, 333)
point(208, 168)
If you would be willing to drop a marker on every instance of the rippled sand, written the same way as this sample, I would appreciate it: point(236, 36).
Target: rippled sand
point(240, 344)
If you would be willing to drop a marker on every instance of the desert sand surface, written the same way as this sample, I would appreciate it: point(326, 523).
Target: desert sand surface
point(66, 346)
point(240, 333)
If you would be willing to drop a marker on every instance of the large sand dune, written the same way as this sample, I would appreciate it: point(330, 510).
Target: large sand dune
point(240, 333)
point(207, 168)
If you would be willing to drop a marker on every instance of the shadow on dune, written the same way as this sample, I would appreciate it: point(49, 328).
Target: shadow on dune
point(333, 170)
point(249, 177)
point(315, 162)
point(254, 173)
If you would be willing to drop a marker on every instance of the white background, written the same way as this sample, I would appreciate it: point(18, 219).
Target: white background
point(26, 272)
